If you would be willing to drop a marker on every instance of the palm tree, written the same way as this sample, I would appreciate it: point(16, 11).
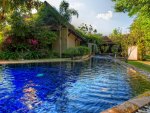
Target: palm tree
point(66, 12)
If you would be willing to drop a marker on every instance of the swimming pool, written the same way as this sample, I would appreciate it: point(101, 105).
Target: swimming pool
point(65, 87)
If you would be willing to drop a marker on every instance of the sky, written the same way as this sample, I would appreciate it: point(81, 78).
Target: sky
point(98, 13)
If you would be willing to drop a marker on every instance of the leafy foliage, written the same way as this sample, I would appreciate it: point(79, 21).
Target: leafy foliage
point(18, 25)
point(140, 31)
point(87, 29)
point(8, 55)
point(90, 34)
point(26, 34)
point(1, 38)
point(140, 28)
point(66, 12)
point(47, 15)
point(122, 40)
point(133, 7)
point(77, 51)
point(25, 6)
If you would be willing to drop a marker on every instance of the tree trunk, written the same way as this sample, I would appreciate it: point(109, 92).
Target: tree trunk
point(3, 10)
point(60, 43)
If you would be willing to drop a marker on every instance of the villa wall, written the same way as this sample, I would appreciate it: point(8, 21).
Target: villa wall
point(71, 41)
point(56, 46)
point(68, 40)
point(133, 53)
point(78, 43)
point(64, 38)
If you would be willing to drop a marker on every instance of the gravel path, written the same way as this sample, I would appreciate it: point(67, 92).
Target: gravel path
point(145, 109)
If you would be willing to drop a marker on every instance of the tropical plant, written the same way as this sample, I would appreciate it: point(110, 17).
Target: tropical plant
point(133, 7)
point(76, 51)
point(67, 12)
point(18, 25)
point(87, 29)
point(139, 30)
point(121, 40)
point(104, 49)
point(91, 35)
point(46, 37)
point(8, 6)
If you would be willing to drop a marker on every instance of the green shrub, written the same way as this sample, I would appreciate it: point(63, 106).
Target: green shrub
point(31, 55)
point(39, 54)
point(147, 57)
point(1, 37)
point(77, 51)
point(7, 55)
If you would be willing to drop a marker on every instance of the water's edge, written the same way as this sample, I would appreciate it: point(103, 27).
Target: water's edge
point(134, 104)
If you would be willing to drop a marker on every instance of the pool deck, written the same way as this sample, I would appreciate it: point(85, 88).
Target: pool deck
point(32, 61)
point(86, 57)
point(131, 106)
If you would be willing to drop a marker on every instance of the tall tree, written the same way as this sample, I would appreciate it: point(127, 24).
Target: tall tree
point(8, 6)
point(87, 29)
point(124, 41)
point(133, 6)
point(67, 12)
point(140, 28)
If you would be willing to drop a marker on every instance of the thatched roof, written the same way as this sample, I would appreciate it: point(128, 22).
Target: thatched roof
point(107, 41)
point(62, 21)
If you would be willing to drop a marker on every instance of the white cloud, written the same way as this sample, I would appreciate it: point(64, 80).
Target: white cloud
point(105, 16)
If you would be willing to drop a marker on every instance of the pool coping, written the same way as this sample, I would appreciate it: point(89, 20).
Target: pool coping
point(143, 72)
point(134, 104)
point(79, 59)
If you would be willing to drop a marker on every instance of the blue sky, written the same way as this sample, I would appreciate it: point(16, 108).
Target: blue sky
point(98, 13)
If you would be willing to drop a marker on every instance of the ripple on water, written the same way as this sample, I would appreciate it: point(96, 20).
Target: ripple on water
point(82, 87)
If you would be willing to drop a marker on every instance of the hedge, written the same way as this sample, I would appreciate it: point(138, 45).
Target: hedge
point(76, 51)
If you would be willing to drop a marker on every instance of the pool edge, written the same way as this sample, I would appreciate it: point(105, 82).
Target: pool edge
point(83, 58)
point(131, 105)
point(134, 104)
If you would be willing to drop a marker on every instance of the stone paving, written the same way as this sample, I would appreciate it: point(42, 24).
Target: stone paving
point(145, 109)
point(133, 105)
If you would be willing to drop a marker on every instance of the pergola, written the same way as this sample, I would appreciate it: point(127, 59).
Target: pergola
point(106, 43)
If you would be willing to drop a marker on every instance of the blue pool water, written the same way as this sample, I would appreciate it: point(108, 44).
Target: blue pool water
point(82, 87)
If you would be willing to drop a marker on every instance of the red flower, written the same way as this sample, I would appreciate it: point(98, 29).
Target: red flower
point(33, 41)
point(9, 40)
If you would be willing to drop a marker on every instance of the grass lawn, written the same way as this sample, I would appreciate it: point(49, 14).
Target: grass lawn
point(140, 65)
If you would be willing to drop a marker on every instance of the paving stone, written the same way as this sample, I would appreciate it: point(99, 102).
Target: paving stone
point(145, 109)
point(140, 102)
point(126, 107)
